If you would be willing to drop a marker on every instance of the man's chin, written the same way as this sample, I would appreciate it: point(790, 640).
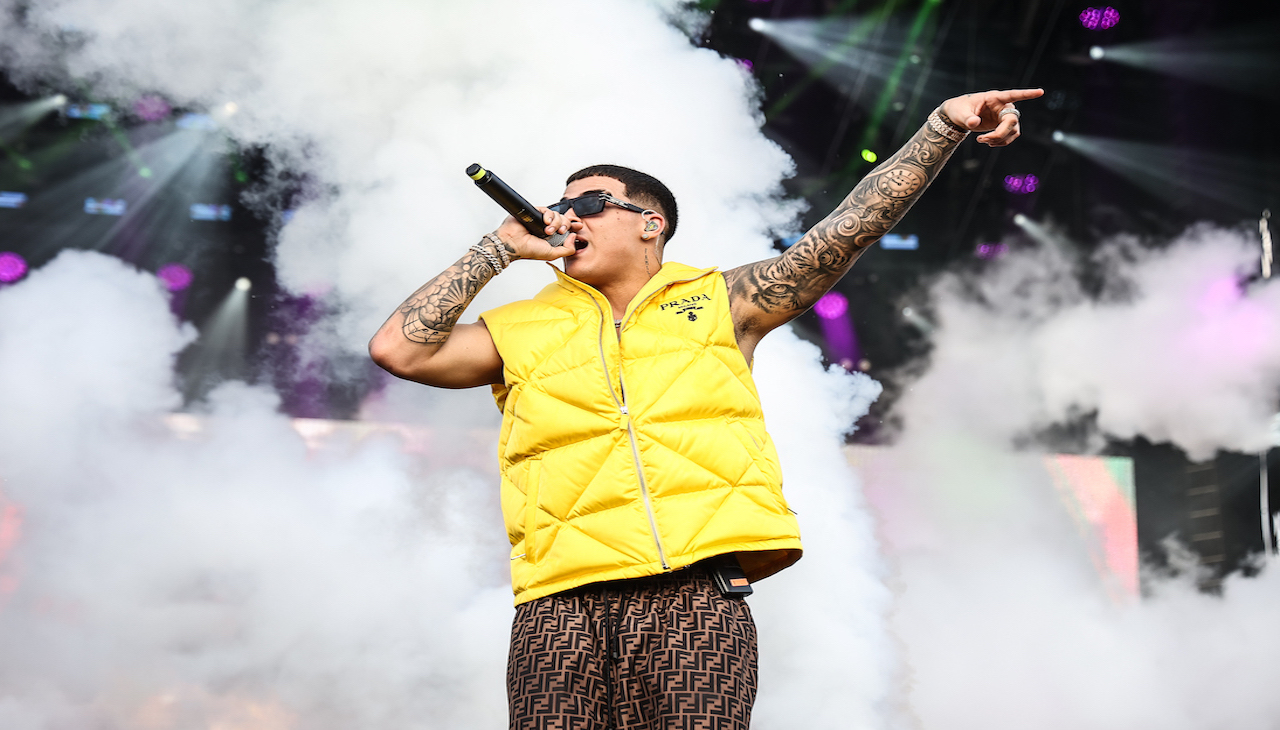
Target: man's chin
point(578, 270)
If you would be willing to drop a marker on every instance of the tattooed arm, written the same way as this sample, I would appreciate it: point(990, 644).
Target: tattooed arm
point(769, 293)
point(422, 340)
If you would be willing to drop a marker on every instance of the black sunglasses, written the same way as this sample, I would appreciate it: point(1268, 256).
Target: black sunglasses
point(591, 204)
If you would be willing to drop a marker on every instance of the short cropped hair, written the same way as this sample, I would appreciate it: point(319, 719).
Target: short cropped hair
point(643, 189)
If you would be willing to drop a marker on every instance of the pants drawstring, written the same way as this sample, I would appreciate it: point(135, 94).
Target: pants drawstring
point(615, 654)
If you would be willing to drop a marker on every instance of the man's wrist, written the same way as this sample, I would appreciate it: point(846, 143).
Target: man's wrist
point(491, 257)
point(942, 124)
point(504, 250)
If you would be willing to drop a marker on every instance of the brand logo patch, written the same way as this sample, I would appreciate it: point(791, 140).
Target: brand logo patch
point(688, 306)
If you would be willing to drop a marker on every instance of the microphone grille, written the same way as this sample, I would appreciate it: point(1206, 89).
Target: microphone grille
point(557, 239)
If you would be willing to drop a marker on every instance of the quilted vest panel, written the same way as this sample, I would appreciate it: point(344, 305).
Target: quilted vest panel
point(633, 454)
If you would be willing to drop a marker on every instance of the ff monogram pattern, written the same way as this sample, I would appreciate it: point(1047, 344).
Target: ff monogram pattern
point(661, 653)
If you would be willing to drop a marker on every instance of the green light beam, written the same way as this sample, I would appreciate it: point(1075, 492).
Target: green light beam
point(881, 107)
point(826, 46)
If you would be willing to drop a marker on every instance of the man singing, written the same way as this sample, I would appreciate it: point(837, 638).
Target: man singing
point(640, 490)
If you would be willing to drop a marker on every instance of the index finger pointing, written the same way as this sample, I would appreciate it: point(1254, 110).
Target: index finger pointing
point(1011, 95)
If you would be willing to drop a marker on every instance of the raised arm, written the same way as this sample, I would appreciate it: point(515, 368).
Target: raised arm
point(422, 340)
point(767, 294)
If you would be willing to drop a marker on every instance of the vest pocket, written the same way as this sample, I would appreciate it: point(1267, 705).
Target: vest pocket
point(532, 479)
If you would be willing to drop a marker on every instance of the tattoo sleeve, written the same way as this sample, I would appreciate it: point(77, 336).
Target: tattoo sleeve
point(789, 284)
point(431, 312)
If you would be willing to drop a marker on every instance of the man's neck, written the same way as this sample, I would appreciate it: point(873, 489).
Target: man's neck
point(620, 293)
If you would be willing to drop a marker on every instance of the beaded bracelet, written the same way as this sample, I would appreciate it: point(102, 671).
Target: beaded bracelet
point(945, 128)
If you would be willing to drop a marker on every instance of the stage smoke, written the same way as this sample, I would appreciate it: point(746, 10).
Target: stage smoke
point(1003, 619)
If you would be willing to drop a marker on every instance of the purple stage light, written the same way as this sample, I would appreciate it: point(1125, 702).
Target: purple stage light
point(151, 108)
point(1221, 294)
point(1021, 184)
point(176, 277)
point(12, 267)
point(746, 64)
point(990, 250)
point(833, 304)
point(1099, 18)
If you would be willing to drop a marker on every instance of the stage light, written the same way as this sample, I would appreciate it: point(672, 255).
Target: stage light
point(176, 277)
point(1182, 174)
point(1045, 234)
point(12, 200)
point(1097, 52)
point(1243, 59)
point(1099, 18)
point(841, 50)
point(95, 112)
point(1021, 184)
point(917, 320)
point(869, 156)
point(151, 108)
point(837, 329)
point(209, 212)
point(896, 242)
point(991, 250)
point(202, 122)
point(1059, 135)
point(15, 119)
point(833, 304)
point(220, 352)
point(105, 206)
point(12, 267)
point(230, 108)
point(747, 65)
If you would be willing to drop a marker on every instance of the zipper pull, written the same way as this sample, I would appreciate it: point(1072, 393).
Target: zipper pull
point(624, 409)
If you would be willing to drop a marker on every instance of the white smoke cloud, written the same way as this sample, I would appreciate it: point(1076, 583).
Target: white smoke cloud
point(167, 580)
point(1003, 620)
point(1177, 349)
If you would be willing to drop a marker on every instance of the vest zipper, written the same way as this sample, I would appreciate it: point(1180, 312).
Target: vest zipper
point(631, 431)
point(622, 406)
point(631, 435)
point(644, 486)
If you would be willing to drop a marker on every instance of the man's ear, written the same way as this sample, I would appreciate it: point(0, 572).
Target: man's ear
point(654, 224)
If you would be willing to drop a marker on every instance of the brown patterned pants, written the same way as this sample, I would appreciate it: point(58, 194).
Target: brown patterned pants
point(661, 653)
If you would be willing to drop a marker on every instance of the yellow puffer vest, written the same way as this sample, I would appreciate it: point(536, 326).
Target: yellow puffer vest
point(632, 456)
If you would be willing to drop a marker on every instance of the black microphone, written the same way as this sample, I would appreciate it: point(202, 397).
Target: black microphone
point(513, 203)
